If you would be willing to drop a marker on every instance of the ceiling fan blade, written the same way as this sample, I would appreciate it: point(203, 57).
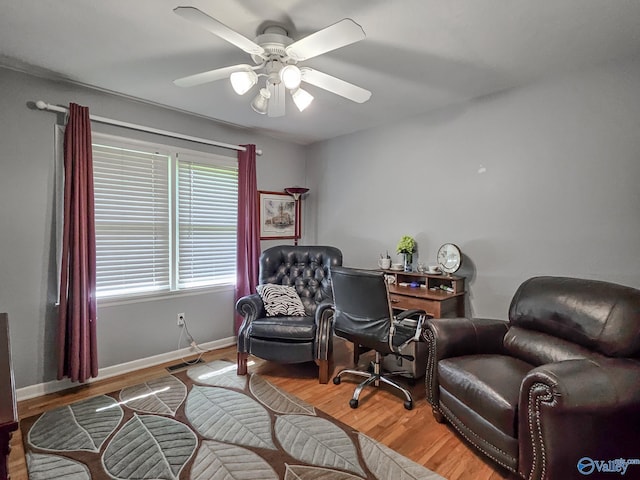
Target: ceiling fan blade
point(335, 85)
point(220, 29)
point(210, 76)
point(276, 101)
point(338, 35)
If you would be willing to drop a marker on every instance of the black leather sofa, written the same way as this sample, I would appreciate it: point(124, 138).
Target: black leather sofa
point(552, 393)
point(288, 339)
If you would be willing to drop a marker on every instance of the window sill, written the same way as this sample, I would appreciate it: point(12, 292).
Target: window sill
point(152, 297)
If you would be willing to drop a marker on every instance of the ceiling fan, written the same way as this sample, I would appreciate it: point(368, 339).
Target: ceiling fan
point(276, 58)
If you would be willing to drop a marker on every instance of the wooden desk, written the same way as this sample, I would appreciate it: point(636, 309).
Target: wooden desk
point(8, 408)
point(430, 295)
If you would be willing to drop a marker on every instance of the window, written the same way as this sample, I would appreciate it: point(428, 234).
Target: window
point(165, 220)
point(207, 223)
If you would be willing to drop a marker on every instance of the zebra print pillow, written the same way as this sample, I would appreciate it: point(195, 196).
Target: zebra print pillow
point(281, 300)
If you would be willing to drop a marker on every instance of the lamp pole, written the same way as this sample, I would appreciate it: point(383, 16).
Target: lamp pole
point(296, 193)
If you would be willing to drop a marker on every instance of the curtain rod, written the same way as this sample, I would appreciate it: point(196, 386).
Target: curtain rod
point(109, 121)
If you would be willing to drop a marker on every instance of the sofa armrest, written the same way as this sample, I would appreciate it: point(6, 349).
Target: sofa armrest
point(452, 337)
point(324, 329)
point(574, 409)
point(249, 307)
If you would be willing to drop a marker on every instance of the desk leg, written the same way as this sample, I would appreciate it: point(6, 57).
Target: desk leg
point(5, 448)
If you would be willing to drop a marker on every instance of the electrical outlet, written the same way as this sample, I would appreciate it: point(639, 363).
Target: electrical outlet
point(181, 319)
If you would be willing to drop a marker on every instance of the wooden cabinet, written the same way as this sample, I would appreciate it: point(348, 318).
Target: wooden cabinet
point(8, 409)
point(438, 295)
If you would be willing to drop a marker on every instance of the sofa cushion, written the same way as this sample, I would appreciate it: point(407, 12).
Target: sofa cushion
point(484, 435)
point(280, 300)
point(488, 385)
point(297, 329)
point(539, 348)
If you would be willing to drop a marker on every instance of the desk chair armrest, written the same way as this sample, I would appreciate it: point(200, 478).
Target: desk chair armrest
point(397, 322)
point(562, 404)
point(452, 337)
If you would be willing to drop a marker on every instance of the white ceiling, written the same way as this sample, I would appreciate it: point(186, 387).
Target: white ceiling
point(419, 55)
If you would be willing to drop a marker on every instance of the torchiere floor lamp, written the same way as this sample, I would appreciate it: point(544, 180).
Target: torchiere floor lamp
point(296, 193)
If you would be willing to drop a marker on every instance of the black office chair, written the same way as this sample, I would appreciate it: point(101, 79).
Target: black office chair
point(363, 316)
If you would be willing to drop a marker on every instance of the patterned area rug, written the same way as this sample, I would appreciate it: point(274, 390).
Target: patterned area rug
point(204, 423)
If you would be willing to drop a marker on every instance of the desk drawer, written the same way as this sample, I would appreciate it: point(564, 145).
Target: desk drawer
point(405, 303)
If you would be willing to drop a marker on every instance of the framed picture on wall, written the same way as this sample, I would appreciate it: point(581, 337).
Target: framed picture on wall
point(278, 215)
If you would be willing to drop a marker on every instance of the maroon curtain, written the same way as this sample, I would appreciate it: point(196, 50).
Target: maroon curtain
point(77, 351)
point(248, 228)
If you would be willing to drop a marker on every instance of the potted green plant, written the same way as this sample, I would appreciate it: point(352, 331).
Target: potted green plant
point(407, 247)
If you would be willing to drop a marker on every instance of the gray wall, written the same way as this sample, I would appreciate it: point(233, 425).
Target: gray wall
point(542, 180)
point(126, 331)
point(559, 195)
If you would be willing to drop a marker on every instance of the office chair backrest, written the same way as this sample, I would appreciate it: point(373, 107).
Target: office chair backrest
point(362, 312)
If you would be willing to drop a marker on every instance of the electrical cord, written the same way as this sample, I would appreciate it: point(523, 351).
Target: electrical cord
point(192, 343)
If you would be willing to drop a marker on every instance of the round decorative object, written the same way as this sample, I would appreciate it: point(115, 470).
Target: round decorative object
point(449, 258)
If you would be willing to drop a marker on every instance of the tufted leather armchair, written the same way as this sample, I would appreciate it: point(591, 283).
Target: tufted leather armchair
point(291, 339)
point(552, 392)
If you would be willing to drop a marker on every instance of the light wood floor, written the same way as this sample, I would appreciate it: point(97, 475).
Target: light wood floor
point(381, 414)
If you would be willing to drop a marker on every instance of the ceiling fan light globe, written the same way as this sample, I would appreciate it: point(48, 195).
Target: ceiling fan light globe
point(291, 76)
point(301, 98)
point(243, 81)
point(260, 103)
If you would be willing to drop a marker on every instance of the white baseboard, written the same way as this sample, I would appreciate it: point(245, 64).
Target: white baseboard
point(39, 389)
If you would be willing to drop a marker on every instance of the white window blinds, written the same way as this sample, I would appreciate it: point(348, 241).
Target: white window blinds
point(164, 221)
point(132, 220)
point(207, 221)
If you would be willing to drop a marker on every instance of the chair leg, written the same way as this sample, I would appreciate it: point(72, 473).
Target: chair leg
point(437, 414)
point(360, 387)
point(323, 371)
point(350, 371)
point(372, 378)
point(242, 363)
point(393, 384)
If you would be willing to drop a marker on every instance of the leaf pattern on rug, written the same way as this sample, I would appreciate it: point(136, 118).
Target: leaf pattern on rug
point(276, 399)
point(162, 396)
point(386, 463)
point(83, 425)
point(51, 467)
point(229, 416)
point(303, 472)
point(149, 446)
point(318, 442)
point(220, 461)
point(218, 373)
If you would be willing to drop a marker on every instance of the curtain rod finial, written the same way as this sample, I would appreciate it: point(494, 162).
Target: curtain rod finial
point(41, 105)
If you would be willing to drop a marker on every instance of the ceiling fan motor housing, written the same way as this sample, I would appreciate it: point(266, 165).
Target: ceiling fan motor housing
point(274, 40)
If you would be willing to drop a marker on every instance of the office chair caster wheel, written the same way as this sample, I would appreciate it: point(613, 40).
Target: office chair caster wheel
point(408, 404)
point(336, 380)
point(353, 403)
